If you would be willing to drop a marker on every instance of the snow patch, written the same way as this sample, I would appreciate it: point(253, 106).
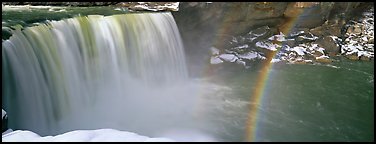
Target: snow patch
point(100, 135)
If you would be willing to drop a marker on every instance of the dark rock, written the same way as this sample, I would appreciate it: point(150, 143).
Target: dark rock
point(328, 44)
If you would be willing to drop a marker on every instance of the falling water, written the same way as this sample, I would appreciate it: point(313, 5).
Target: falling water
point(121, 71)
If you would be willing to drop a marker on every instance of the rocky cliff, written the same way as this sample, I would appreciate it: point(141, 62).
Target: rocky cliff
point(319, 26)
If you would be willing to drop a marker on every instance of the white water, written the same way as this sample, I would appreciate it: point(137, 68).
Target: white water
point(125, 72)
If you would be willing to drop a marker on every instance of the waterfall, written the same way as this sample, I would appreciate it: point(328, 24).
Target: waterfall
point(119, 71)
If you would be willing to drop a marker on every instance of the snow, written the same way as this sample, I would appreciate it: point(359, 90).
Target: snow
point(228, 57)
point(270, 46)
point(321, 50)
point(7, 131)
point(100, 135)
point(299, 50)
point(215, 60)
point(27, 7)
point(363, 53)
point(275, 60)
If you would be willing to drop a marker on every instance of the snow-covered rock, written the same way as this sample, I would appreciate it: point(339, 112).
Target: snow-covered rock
point(228, 57)
point(358, 44)
point(249, 55)
point(215, 60)
point(267, 45)
point(299, 50)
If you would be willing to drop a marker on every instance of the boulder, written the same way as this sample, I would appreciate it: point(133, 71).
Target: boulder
point(328, 44)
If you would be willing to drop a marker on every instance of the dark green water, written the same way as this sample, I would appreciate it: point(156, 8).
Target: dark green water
point(305, 103)
point(300, 103)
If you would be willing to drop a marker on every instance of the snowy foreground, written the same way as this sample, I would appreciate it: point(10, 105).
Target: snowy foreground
point(100, 135)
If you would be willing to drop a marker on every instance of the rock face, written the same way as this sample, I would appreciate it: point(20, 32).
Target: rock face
point(319, 29)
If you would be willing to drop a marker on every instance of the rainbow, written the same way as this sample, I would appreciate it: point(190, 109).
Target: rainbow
point(262, 79)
